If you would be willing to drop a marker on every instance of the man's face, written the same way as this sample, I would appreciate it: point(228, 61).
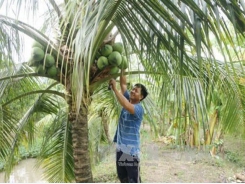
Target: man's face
point(135, 94)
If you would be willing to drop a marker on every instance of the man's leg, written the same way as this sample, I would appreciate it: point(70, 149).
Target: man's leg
point(133, 171)
point(121, 168)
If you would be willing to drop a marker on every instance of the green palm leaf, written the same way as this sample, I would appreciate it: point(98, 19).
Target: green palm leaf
point(56, 152)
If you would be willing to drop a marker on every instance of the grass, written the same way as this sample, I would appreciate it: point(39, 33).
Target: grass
point(105, 171)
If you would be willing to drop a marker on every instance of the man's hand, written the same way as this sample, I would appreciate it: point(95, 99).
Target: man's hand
point(121, 99)
point(113, 84)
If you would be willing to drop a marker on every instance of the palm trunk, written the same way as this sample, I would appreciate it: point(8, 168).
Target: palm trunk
point(82, 166)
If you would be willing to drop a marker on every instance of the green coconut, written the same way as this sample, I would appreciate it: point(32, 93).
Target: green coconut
point(33, 63)
point(102, 62)
point(37, 44)
point(97, 55)
point(114, 70)
point(41, 70)
point(115, 58)
point(52, 71)
point(106, 50)
point(124, 63)
point(37, 54)
point(118, 46)
point(50, 61)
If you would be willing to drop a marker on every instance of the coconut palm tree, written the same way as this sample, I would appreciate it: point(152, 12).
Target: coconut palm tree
point(171, 39)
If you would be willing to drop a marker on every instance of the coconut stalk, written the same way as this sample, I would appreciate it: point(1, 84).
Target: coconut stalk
point(210, 132)
point(196, 138)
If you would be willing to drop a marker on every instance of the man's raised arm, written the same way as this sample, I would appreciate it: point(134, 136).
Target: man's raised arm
point(123, 82)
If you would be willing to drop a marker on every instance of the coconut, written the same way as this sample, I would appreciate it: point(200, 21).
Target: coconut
point(37, 44)
point(124, 63)
point(37, 54)
point(106, 50)
point(102, 62)
point(118, 46)
point(52, 71)
point(32, 62)
point(114, 70)
point(115, 58)
point(50, 61)
point(97, 55)
point(41, 70)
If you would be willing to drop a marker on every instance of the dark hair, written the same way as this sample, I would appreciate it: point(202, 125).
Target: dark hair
point(144, 91)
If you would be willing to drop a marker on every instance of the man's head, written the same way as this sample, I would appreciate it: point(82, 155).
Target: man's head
point(138, 92)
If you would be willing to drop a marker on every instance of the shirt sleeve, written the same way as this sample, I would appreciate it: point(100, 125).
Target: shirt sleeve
point(138, 111)
point(126, 94)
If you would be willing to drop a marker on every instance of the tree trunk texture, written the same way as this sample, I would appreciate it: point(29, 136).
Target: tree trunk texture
point(82, 165)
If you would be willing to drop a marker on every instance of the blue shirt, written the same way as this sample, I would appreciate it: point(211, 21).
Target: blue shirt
point(127, 135)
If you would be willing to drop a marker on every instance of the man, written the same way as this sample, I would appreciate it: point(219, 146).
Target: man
point(127, 135)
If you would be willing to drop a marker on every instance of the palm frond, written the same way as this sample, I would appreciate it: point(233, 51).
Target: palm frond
point(56, 153)
point(21, 126)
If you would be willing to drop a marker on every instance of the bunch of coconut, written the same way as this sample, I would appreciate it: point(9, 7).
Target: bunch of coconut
point(111, 56)
point(44, 63)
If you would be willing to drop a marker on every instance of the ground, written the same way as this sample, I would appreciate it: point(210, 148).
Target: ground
point(166, 163)
point(160, 163)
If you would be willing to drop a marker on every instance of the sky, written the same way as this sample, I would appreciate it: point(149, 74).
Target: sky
point(8, 10)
